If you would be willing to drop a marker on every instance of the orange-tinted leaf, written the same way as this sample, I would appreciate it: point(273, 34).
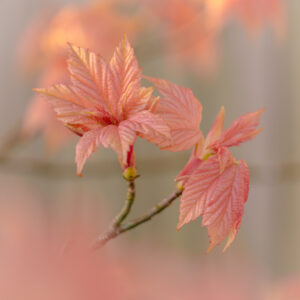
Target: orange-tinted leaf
point(203, 147)
point(150, 126)
point(87, 144)
point(70, 108)
point(225, 207)
point(217, 191)
point(89, 74)
point(142, 100)
point(189, 169)
point(126, 75)
point(107, 136)
point(181, 111)
point(242, 130)
point(192, 203)
point(217, 128)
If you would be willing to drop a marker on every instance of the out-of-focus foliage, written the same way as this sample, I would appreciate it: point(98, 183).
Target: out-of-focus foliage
point(34, 266)
point(189, 34)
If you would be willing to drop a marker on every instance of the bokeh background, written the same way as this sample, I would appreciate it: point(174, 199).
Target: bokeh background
point(243, 65)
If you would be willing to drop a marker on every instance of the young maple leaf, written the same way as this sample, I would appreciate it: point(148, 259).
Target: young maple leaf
point(215, 184)
point(181, 111)
point(106, 105)
point(97, 26)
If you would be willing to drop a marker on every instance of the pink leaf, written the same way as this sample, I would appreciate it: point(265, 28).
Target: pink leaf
point(181, 111)
point(70, 108)
point(87, 144)
point(217, 195)
point(193, 199)
point(150, 126)
point(189, 168)
point(142, 100)
point(242, 130)
point(126, 75)
point(110, 138)
point(225, 158)
point(107, 136)
point(225, 207)
point(60, 93)
point(89, 73)
point(217, 128)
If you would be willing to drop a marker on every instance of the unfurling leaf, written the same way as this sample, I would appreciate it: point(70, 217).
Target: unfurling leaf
point(106, 105)
point(242, 130)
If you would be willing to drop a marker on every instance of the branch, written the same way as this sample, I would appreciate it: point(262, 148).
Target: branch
point(115, 228)
point(127, 206)
point(114, 232)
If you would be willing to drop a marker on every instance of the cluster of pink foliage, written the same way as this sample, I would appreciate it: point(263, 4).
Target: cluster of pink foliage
point(106, 105)
point(215, 184)
point(94, 26)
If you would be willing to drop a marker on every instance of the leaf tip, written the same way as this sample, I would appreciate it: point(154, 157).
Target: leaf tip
point(210, 247)
point(73, 50)
point(180, 225)
point(125, 39)
point(149, 78)
point(259, 130)
point(39, 90)
point(231, 236)
point(79, 168)
point(71, 46)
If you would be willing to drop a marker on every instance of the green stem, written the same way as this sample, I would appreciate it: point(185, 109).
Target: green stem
point(115, 227)
point(127, 206)
point(113, 232)
point(158, 208)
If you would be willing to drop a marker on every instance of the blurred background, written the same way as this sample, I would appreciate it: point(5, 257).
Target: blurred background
point(243, 54)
